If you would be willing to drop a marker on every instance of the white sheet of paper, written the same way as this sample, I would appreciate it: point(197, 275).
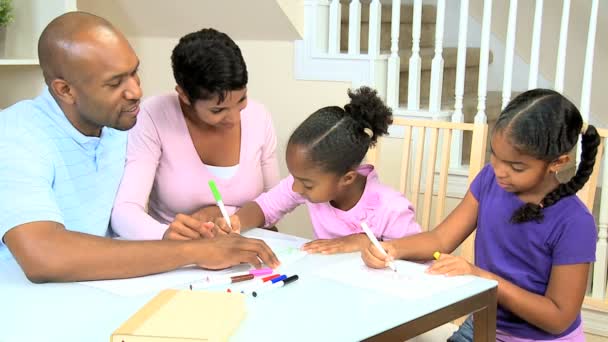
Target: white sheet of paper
point(180, 278)
point(284, 246)
point(409, 282)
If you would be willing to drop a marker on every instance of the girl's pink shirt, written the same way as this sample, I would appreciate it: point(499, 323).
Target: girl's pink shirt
point(387, 212)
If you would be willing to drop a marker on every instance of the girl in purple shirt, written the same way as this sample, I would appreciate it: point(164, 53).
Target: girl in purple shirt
point(323, 157)
point(534, 237)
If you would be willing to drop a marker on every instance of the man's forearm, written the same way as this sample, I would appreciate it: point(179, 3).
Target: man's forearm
point(62, 255)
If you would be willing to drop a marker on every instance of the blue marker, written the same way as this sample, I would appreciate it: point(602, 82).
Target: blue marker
point(252, 291)
point(275, 285)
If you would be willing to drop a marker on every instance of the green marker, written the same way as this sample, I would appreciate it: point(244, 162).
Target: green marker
point(220, 203)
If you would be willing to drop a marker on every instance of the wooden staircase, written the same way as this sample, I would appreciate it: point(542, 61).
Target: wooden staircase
point(427, 51)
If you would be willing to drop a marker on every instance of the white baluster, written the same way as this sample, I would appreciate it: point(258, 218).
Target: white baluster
point(375, 22)
point(560, 69)
point(509, 52)
point(392, 87)
point(484, 57)
point(354, 27)
point(458, 116)
point(335, 15)
point(437, 65)
point(587, 73)
point(601, 253)
point(310, 25)
point(535, 49)
point(316, 26)
point(415, 67)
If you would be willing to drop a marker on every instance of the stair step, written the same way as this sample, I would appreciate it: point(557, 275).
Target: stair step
point(450, 58)
point(449, 83)
point(427, 36)
point(429, 13)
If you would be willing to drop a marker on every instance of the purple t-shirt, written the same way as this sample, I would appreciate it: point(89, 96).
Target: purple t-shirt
point(524, 253)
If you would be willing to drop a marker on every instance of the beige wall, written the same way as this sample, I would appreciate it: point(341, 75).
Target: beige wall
point(577, 42)
point(241, 19)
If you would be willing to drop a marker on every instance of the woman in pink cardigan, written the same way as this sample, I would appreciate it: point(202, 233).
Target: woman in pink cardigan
point(209, 130)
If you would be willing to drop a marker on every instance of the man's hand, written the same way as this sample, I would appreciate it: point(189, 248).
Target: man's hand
point(233, 249)
point(185, 227)
point(346, 244)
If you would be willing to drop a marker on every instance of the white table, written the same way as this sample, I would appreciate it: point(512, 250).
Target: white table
point(311, 309)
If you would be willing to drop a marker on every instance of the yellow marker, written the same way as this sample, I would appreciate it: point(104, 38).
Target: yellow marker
point(436, 255)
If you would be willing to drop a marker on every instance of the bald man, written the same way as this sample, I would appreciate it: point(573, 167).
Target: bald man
point(61, 159)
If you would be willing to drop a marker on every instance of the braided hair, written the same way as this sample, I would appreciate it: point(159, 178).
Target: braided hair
point(337, 138)
point(544, 124)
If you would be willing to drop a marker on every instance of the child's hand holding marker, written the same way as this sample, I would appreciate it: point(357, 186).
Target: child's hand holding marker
point(377, 255)
point(450, 265)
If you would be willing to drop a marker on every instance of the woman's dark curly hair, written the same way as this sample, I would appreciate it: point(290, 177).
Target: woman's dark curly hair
point(337, 138)
point(544, 124)
point(208, 63)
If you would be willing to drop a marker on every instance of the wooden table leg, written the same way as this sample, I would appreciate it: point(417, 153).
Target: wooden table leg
point(484, 321)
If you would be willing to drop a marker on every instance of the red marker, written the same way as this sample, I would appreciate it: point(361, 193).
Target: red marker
point(258, 282)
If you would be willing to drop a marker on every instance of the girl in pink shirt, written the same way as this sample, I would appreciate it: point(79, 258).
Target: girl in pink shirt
point(208, 130)
point(323, 157)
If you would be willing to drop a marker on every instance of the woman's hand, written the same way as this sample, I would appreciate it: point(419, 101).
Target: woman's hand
point(346, 244)
point(185, 227)
point(453, 266)
point(207, 214)
point(221, 226)
point(374, 258)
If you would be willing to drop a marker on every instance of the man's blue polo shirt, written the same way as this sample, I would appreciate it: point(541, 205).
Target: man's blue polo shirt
point(49, 171)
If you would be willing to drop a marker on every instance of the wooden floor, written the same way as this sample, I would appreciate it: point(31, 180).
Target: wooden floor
point(596, 338)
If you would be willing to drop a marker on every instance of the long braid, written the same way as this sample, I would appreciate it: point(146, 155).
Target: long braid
point(544, 124)
point(589, 145)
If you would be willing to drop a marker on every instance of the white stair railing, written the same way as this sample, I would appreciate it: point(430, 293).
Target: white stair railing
point(587, 73)
point(535, 50)
point(375, 17)
point(482, 87)
point(415, 66)
point(461, 60)
point(437, 64)
point(560, 67)
point(335, 22)
point(509, 52)
point(393, 69)
point(354, 27)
